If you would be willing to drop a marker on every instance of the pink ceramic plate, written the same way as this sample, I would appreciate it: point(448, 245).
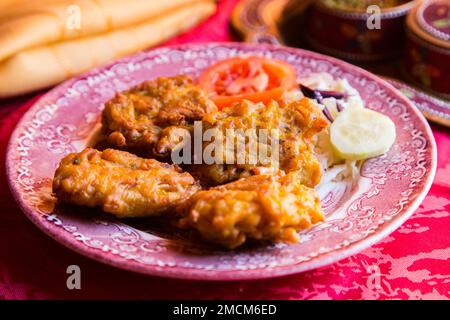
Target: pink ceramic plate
point(390, 188)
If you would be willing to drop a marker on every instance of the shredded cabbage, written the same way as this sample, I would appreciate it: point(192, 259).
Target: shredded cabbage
point(335, 169)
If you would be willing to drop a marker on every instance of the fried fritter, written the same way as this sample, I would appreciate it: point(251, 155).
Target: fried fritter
point(295, 124)
point(261, 207)
point(145, 117)
point(121, 183)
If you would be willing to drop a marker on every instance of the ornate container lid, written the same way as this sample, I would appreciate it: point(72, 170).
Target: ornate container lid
point(358, 9)
point(430, 20)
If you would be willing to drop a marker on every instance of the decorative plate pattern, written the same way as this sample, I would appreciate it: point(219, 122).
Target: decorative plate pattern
point(390, 188)
point(434, 109)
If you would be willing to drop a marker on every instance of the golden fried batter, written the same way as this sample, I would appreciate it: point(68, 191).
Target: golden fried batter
point(121, 183)
point(297, 123)
point(144, 116)
point(261, 207)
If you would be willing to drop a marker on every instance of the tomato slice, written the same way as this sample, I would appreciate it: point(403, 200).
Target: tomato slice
point(252, 78)
point(264, 96)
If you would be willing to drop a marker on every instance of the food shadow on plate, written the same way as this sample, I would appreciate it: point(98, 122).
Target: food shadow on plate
point(163, 227)
point(185, 241)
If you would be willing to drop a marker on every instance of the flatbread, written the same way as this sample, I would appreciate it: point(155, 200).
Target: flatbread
point(47, 65)
point(25, 24)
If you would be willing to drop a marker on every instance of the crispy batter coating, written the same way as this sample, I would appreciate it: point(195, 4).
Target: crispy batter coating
point(261, 207)
point(145, 116)
point(121, 183)
point(297, 123)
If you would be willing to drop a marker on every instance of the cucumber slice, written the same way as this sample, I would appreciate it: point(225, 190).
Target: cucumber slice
point(359, 133)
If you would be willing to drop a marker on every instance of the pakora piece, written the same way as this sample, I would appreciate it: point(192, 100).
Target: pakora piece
point(286, 127)
point(121, 183)
point(145, 117)
point(261, 208)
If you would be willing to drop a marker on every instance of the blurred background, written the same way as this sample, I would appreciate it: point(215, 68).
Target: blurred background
point(405, 40)
point(45, 42)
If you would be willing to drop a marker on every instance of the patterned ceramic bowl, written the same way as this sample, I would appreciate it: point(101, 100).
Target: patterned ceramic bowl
point(345, 33)
point(427, 59)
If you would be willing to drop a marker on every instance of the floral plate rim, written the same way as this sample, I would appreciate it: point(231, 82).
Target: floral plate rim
point(431, 106)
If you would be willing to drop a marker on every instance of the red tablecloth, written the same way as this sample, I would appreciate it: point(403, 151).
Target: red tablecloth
point(413, 262)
